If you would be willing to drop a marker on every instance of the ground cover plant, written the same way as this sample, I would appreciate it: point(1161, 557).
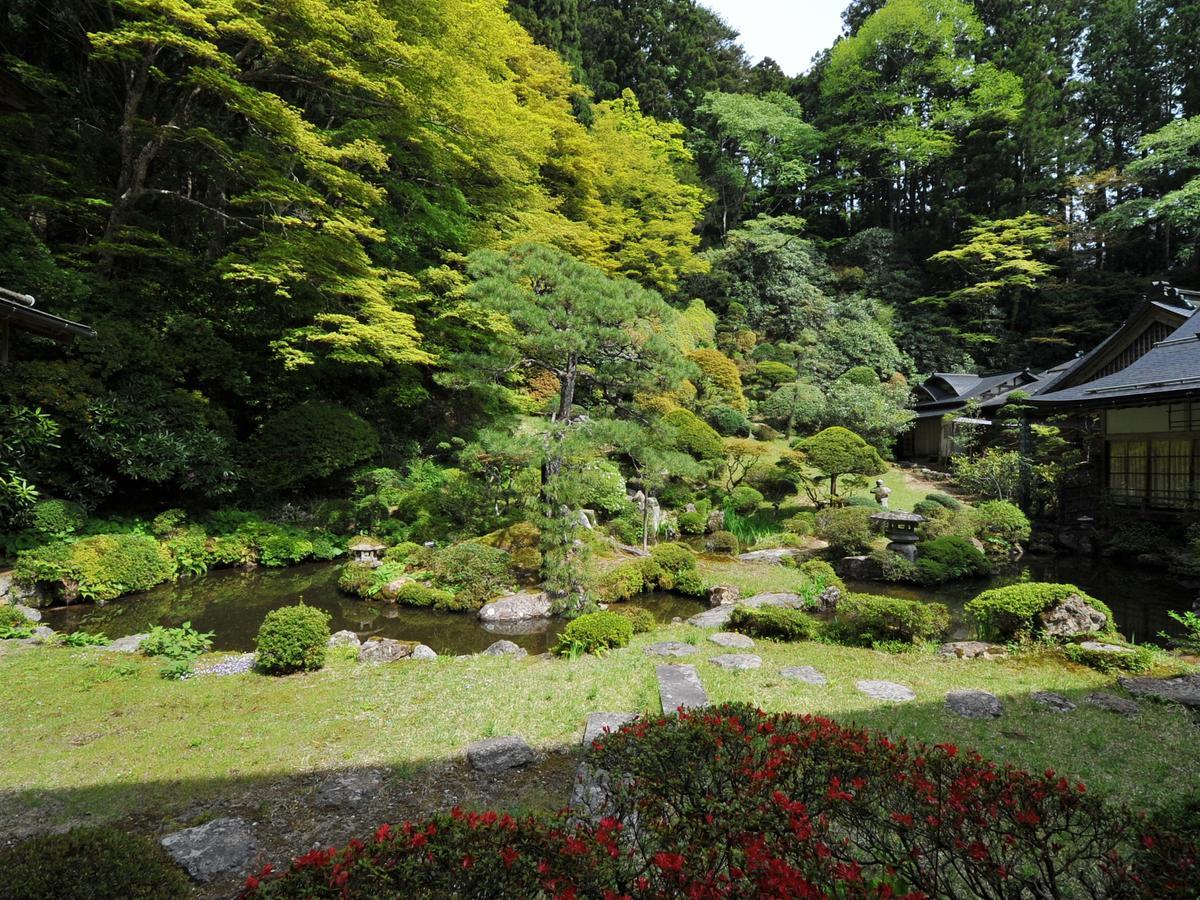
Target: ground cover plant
point(735, 802)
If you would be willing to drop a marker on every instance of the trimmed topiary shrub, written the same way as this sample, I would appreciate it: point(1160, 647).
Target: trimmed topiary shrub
point(691, 523)
point(728, 421)
point(596, 632)
point(948, 558)
point(673, 560)
point(774, 622)
point(1013, 613)
point(90, 864)
point(623, 582)
point(847, 530)
point(292, 639)
point(694, 436)
point(928, 509)
point(1003, 522)
point(691, 584)
point(943, 500)
point(865, 620)
point(745, 500)
point(820, 570)
point(475, 572)
point(641, 619)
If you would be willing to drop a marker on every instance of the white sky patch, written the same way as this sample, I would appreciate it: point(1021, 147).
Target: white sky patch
point(791, 32)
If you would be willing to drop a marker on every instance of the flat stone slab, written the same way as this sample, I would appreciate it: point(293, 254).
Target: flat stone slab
point(807, 674)
point(774, 598)
point(717, 617)
point(499, 754)
point(886, 690)
point(522, 626)
point(737, 662)
point(210, 851)
point(1184, 689)
point(971, 650)
point(671, 648)
point(385, 650)
point(129, 644)
point(732, 640)
point(1098, 647)
point(505, 648)
point(1113, 703)
point(973, 704)
point(516, 607)
point(773, 557)
point(1056, 702)
point(679, 686)
point(600, 723)
point(28, 612)
point(349, 789)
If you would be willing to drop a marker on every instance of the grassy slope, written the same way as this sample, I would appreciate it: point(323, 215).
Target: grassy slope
point(89, 733)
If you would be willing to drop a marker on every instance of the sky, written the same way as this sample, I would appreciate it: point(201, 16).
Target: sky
point(791, 32)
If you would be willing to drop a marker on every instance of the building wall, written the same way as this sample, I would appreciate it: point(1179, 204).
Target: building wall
point(1153, 456)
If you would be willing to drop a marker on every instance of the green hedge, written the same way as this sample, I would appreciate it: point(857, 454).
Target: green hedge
point(414, 593)
point(775, 622)
point(864, 620)
point(1013, 612)
point(90, 864)
point(642, 619)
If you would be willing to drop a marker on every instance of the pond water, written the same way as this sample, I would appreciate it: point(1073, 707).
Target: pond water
point(1139, 597)
point(232, 603)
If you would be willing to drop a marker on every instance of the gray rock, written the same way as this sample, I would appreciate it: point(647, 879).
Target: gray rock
point(422, 652)
point(391, 590)
point(28, 612)
point(1113, 703)
point(1098, 647)
point(1072, 617)
point(972, 704)
point(807, 674)
point(716, 521)
point(505, 648)
point(723, 594)
point(43, 634)
point(523, 626)
point(771, 557)
point(516, 607)
point(859, 568)
point(679, 686)
point(220, 847)
point(716, 617)
point(886, 690)
point(344, 639)
point(828, 599)
point(349, 789)
point(1184, 690)
point(385, 650)
point(499, 754)
point(1056, 702)
point(670, 648)
point(736, 662)
point(781, 599)
point(731, 639)
point(600, 723)
point(971, 650)
point(129, 644)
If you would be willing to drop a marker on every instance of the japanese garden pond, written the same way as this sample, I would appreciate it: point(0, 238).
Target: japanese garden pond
point(232, 603)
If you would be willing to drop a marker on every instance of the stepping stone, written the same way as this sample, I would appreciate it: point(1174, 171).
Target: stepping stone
point(349, 789)
point(732, 640)
point(716, 617)
point(775, 557)
point(671, 648)
point(785, 600)
point(971, 650)
point(679, 686)
point(1113, 703)
point(600, 723)
point(807, 674)
point(129, 644)
point(218, 848)
point(499, 754)
point(1098, 647)
point(886, 690)
point(736, 662)
point(385, 650)
point(1055, 702)
point(972, 704)
point(1184, 690)
point(505, 648)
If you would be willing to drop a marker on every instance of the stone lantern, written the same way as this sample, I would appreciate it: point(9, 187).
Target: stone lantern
point(901, 529)
point(367, 551)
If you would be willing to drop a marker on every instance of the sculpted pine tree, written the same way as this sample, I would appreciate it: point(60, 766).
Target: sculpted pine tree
point(602, 338)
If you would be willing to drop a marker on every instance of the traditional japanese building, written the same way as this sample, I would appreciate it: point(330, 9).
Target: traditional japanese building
point(948, 402)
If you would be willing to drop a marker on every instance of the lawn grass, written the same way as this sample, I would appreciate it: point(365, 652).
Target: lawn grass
point(92, 736)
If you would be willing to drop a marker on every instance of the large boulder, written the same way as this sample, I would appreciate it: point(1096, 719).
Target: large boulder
point(517, 607)
point(390, 591)
point(1072, 617)
point(723, 594)
point(505, 648)
point(828, 599)
point(1184, 690)
point(716, 521)
point(860, 568)
point(385, 650)
point(131, 643)
point(344, 639)
point(499, 754)
point(218, 848)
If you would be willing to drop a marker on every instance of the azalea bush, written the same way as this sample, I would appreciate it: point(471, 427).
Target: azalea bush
point(735, 802)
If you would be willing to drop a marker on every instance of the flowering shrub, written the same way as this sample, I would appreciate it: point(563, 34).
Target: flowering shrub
point(733, 802)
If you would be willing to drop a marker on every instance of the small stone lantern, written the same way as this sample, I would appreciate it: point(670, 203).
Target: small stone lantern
point(901, 529)
point(367, 551)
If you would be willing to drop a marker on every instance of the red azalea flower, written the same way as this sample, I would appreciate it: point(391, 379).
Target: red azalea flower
point(382, 833)
point(669, 862)
point(508, 856)
point(467, 861)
